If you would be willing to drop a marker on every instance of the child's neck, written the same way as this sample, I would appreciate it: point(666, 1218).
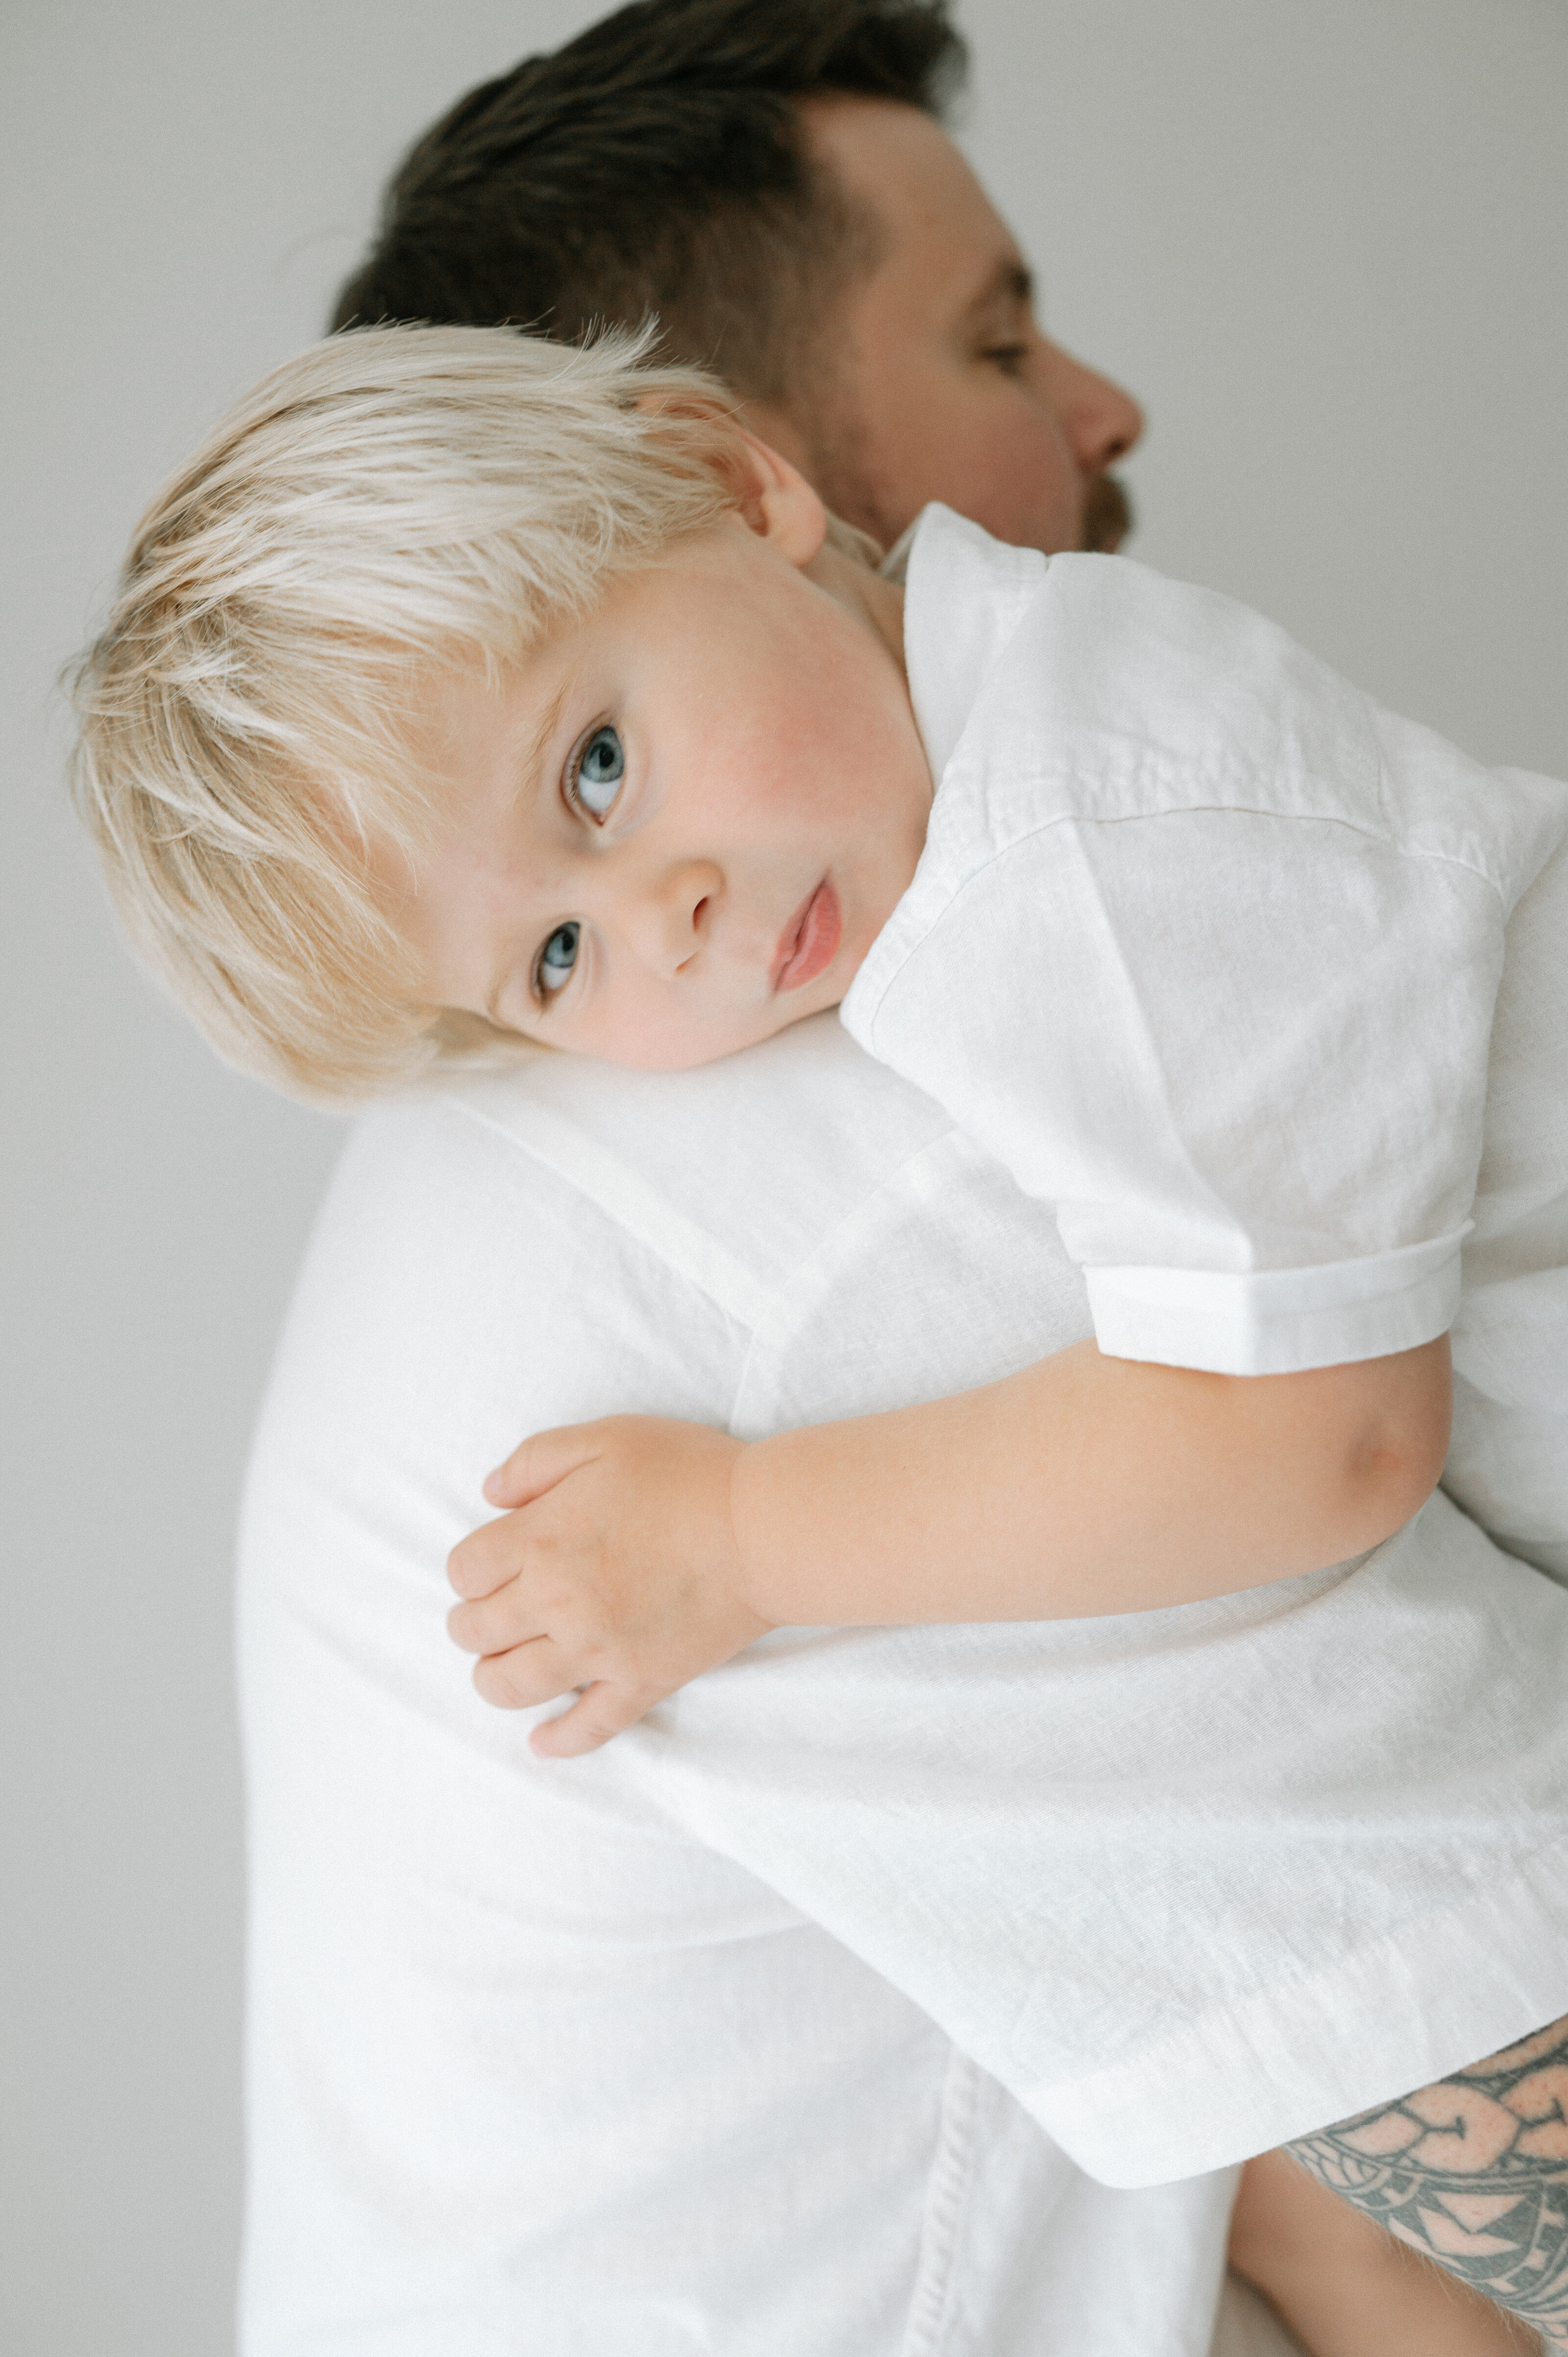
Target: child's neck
point(877, 602)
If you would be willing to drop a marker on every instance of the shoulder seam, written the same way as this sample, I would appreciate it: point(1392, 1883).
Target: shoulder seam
point(1138, 818)
point(624, 1197)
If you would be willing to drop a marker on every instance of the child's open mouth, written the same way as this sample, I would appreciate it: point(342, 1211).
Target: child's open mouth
point(811, 940)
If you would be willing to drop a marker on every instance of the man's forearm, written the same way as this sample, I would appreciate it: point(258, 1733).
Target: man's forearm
point(1087, 1485)
point(1472, 2172)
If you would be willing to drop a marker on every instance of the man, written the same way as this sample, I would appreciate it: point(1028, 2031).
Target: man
point(835, 259)
point(804, 2018)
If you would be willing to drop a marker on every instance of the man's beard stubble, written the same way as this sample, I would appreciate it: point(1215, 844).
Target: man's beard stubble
point(840, 472)
point(1107, 515)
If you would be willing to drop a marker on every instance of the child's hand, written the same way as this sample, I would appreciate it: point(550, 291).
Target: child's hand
point(618, 1572)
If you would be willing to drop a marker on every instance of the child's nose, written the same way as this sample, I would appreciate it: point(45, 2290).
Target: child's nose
point(674, 913)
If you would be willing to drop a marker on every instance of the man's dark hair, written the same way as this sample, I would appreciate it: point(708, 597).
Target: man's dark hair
point(656, 164)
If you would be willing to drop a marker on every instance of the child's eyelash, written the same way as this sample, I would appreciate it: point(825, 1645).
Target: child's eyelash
point(536, 990)
point(575, 762)
point(573, 775)
point(544, 997)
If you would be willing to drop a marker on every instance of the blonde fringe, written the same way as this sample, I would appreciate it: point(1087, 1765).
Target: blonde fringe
point(394, 499)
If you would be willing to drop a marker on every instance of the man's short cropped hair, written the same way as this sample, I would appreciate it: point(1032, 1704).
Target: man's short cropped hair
point(388, 504)
point(656, 167)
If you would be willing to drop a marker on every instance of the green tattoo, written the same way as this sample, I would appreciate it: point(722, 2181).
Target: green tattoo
point(1472, 2172)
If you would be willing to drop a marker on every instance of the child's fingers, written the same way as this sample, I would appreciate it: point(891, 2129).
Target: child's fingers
point(601, 1711)
point(487, 1557)
point(538, 1463)
point(494, 1623)
point(526, 1676)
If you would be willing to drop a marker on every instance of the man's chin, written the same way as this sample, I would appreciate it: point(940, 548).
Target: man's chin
point(1107, 516)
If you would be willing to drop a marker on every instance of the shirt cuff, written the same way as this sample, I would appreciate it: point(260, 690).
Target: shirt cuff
point(1277, 1321)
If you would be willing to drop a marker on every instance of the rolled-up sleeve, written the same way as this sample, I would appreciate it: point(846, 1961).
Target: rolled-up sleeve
point(1245, 1056)
point(1207, 951)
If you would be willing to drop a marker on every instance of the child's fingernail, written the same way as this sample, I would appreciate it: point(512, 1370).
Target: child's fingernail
point(494, 1484)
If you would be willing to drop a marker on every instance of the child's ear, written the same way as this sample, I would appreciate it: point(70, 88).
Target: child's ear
point(772, 496)
point(777, 502)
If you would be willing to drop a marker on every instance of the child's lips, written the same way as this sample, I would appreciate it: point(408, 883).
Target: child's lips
point(811, 940)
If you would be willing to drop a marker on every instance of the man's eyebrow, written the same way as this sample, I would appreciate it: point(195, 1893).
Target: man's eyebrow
point(1012, 281)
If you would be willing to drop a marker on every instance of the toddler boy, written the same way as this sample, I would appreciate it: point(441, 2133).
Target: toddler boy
point(465, 692)
point(1259, 986)
point(463, 688)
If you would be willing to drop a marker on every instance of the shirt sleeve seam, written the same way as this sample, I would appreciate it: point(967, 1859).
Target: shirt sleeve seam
point(746, 1323)
point(1134, 818)
point(825, 1242)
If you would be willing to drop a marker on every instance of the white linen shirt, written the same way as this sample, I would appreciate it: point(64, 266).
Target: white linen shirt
point(1261, 987)
point(802, 2018)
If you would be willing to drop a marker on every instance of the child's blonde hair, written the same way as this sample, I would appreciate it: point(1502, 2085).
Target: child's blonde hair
point(392, 500)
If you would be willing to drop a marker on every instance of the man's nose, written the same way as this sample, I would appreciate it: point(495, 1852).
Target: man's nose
point(1102, 423)
point(672, 913)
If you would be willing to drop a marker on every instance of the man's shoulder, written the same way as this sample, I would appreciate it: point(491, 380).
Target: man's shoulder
point(757, 1157)
point(562, 1240)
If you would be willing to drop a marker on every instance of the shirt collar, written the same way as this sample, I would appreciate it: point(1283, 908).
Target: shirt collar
point(964, 596)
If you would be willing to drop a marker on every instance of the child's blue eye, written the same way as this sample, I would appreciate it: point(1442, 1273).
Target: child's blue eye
point(601, 766)
point(557, 958)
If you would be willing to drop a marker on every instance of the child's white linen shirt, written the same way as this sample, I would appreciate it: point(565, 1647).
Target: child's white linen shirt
point(1208, 950)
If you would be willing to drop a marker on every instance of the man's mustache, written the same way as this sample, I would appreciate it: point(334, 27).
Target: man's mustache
point(1107, 515)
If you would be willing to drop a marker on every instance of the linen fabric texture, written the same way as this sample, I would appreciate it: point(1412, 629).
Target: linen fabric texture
point(1262, 988)
point(870, 1997)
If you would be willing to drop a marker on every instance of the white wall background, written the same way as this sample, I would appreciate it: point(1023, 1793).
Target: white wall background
point(1323, 238)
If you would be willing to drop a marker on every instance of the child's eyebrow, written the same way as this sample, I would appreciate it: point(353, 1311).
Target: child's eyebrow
point(530, 771)
point(530, 778)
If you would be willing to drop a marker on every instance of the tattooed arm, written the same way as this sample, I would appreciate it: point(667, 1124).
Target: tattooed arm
point(1344, 2287)
point(1473, 2173)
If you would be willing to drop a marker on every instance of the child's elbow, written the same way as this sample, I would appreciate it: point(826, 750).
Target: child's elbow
point(1400, 1441)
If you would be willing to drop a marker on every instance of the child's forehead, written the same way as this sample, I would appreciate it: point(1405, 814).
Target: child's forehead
point(484, 723)
point(645, 612)
point(690, 613)
point(636, 608)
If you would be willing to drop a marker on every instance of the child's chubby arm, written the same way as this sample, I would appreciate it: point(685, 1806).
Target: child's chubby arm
point(640, 1552)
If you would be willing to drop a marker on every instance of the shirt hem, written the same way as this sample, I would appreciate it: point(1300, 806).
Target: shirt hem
point(1435, 1997)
